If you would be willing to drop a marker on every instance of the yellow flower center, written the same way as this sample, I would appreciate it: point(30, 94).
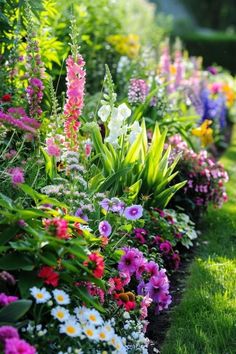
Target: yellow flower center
point(60, 297)
point(70, 329)
point(60, 314)
point(102, 335)
point(89, 332)
point(92, 318)
point(39, 296)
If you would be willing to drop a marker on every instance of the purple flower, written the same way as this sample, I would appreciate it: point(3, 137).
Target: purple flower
point(164, 302)
point(105, 228)
point(6, 300)
point(141, 288)
point(8, 278)
point(157, 285)
point(141, 267)
point(152, 268)
point(117, 206)
point(7, 332)
point(128, 262)
point(133, 212)
point(105, 203)
point(138, 91)
point(79, 213)
point(17, 176)
point(18, 346)
point(166, 247)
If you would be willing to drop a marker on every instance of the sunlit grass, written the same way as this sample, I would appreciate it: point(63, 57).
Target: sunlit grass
point(205, 320)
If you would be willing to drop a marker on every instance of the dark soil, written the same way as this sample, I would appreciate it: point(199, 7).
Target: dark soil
point(159, 324)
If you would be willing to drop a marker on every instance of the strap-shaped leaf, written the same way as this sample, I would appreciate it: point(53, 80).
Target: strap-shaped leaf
point(14, 311)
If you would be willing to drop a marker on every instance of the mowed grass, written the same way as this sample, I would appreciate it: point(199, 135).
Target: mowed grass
point(205, 320)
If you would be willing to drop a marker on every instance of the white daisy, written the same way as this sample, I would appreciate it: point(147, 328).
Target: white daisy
point(118, 345)
point(104, 335)
point(92, 316)
point(90, 332)
point(60, 313)
point(61, 297)
point(41, 295)
point(79, 312)
point(71, 328)
point(108, 327)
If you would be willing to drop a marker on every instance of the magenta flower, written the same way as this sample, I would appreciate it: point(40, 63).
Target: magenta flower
point(128, 262)
point(133, 212)
point(141, 288)
point(6, 299)
point(152, 268)
point(138, 91)
point(156, 286)
point(164, 302)
point(17, 176)
point(105, 228)
point(141, 267)
point(7, 332)
point(52, 148)
point(18, 346)
point(165, 247)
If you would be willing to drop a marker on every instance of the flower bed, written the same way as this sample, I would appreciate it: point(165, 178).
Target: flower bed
point(87, 241)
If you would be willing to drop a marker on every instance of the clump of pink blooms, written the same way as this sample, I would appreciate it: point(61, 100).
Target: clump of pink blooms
point(152, 281)
point(75, 98)
point(12, 344)
point(137, 91)
point(17, 176)
point(53, 148)
point(57, 227)
point(7, 299)
point(205, 177)
point(17, 118)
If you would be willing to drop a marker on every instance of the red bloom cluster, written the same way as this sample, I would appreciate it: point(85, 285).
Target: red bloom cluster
point(49, 275)
point(95, 262)
point(6, 97)
point(58, 227)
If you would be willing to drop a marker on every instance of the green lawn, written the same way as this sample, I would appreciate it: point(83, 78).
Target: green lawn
point(205, 320)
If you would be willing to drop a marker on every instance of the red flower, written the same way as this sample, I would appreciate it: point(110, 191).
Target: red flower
point(130, 305)
point(6, 97)
point(49, 275)
point(95, 263)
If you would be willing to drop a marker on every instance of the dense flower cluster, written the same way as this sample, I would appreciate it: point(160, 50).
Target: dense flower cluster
point(138, 91)
point(75, 98)
point(205, 177)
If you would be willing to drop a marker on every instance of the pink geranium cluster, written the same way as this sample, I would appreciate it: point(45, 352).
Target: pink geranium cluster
point(57, 227)
point(12, 344)
point(205, 177)
point(75, 98)
point(152, 281)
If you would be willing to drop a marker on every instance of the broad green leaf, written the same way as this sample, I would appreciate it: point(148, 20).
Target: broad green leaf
point(14, 311)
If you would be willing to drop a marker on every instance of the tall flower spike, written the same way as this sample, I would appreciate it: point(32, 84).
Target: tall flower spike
point(75, 91)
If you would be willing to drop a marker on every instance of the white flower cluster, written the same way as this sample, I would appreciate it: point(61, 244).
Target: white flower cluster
point(84, 323)
point(136, 340)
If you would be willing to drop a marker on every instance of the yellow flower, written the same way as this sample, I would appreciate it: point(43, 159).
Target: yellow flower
point(204, 133)
point(229, 93)
point(125, 45)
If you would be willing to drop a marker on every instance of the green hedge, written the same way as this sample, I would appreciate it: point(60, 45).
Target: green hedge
point(218, 49)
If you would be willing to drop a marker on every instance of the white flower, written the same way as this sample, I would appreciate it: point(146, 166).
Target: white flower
point(79, 312)
point(41, 295)
point(61, 297)
point(104, 112)
point(71, 328)
point(92, 316)
point(135, 130)
point(90, 332)
point(108, 327)
point(124, 110)
point(117, 344)
point(60, 313)
point(126, 315)
point(104, 335)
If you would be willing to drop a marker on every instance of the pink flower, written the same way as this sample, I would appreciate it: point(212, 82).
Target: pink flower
point(18, 346)
point(145, 303)
point(52, 148)
point(57, 226)
point(17, 176)
point(7, 332)
point(7, 299)
point(166, 247)
point(75, 97)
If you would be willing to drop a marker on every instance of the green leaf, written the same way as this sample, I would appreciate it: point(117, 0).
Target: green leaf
point(88, 299)
point(113, 179)
point(15, 261)
point(8, 233)
point(49, 165)
point(6, 202)
point(14, 311)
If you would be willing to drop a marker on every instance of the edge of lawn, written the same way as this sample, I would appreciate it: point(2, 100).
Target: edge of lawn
point(204, 321)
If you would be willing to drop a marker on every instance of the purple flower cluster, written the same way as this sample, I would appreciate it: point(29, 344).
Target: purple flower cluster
point(138, 91)
point(35, 95)
point(152, 280)
point(213, 107)
point(12, 343)
point(17, 118)
point(7, 299)
point(115, 205)
point(17, 176)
